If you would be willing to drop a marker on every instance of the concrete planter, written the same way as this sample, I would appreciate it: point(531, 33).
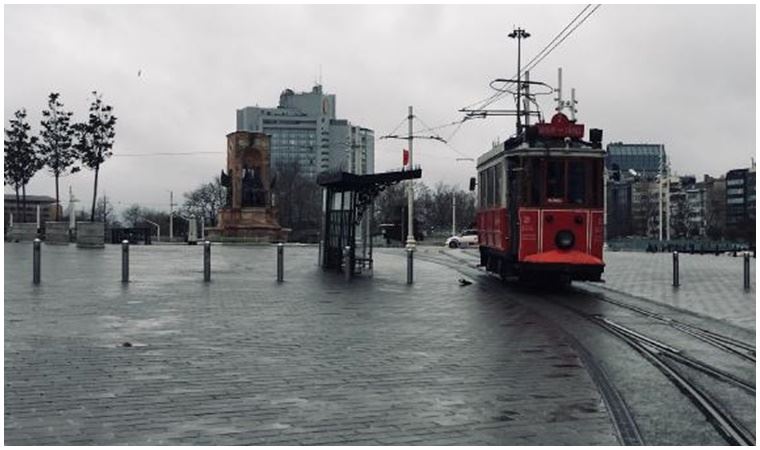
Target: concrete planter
point(91, 234)
point(22, 232)
point(57, 233)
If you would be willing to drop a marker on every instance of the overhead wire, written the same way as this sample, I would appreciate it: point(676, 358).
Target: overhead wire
point(540, 56)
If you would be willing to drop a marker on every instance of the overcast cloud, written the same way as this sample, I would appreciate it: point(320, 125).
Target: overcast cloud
point(683, 76)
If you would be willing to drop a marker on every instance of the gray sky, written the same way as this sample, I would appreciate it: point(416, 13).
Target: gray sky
point(679, 75)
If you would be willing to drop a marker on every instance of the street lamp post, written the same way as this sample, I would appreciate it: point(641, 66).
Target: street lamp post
point(519, 34)
point(410, 242)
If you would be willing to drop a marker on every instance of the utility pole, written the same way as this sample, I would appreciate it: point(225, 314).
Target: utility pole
point(410, 242)
point(667, 201)
point(519, 34)
point(660, 181)
point(453, 213)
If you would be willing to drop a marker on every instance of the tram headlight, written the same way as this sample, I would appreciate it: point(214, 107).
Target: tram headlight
point(564, 239)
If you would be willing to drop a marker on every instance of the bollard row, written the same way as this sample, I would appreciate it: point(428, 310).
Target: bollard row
point(348, 263)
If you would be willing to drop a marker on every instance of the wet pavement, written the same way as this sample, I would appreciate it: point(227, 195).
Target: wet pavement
point(712, 286)
point(168, 359)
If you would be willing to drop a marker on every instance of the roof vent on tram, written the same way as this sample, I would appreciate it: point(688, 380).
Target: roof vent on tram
point(595, 135)
point(531, 135)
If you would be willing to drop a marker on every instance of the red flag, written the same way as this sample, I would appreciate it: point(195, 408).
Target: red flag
point(406, 157)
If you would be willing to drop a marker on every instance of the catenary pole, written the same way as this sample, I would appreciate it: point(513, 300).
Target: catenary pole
point(410, 242)
point(519, 34)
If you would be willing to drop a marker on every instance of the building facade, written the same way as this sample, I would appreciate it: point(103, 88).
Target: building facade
point(46, 204)
point(643, 160)
point(740, 203)
point(305, 131)
point(633, 190)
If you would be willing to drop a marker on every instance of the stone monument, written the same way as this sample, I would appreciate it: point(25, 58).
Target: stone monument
point(249, 213)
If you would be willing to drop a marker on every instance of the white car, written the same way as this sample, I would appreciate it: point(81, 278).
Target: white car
point(466, 239)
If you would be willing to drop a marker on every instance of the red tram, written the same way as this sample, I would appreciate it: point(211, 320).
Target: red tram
point(541, 207)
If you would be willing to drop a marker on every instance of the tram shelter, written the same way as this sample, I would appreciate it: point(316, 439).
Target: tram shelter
point(346, 197)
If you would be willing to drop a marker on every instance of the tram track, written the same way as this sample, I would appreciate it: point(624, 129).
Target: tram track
point(728, 426)
point(728, 344)
point(669, 360)
point(622, 417)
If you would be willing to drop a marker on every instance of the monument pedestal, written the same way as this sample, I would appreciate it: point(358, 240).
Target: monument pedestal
point(249, 224)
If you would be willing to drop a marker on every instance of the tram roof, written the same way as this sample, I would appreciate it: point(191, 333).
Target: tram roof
point(516, 147)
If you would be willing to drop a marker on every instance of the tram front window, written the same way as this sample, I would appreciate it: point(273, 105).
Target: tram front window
point(555, 182)
point(576, 182)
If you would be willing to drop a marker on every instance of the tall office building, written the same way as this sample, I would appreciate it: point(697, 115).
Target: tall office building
point(740, 201)
point(633, 191)
point(305, 130)
point(644, 159)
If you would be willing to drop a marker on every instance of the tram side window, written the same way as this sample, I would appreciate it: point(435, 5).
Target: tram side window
point(555, 182)
point(482, 188)
point(576, 182)
point(490, 186)
point(535, 181)
point(597, 186)
point(497, 170)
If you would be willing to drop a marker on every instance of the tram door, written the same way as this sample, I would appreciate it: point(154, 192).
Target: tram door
point(514, 174)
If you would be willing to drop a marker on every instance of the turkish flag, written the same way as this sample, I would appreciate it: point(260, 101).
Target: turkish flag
point(406, 157)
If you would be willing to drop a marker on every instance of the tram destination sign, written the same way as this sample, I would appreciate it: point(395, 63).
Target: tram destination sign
point(560, 127)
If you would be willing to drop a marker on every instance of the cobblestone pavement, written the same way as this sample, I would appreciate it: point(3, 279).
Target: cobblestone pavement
point(244, 360)
point(710, 285)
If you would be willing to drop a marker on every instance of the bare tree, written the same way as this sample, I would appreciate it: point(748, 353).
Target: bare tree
point(298, 200)
point(205, 201)
point(104, 212)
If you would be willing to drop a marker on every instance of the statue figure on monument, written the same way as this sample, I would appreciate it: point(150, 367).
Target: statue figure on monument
point(248, 186)
point(226, 182)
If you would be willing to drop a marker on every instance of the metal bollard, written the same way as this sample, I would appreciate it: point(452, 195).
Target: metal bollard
point(206, 261)
point(675, 270)
point(409, 265)
point(125, 261)
point(321, 244)
point(280, 257)
point(347, 263)
point(37, 260)
point(746, 271)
